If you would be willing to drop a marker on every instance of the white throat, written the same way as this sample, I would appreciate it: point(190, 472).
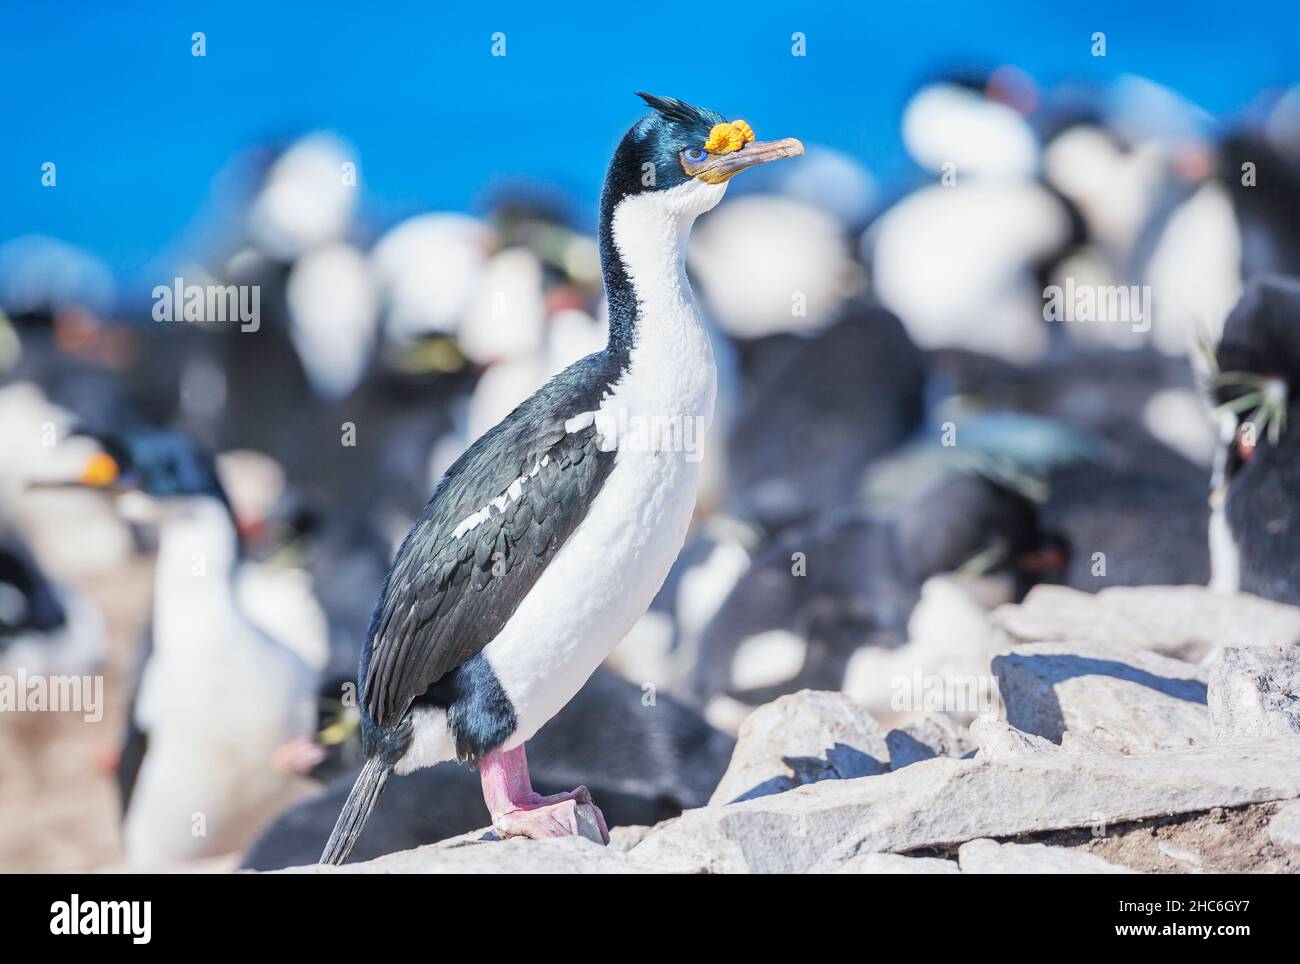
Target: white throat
point(650, 232)
point(671, 369)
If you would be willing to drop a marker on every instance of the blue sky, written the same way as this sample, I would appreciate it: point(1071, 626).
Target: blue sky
point(138, 127)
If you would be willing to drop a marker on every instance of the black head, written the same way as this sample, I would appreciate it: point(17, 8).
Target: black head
point(673, 165)
point(679, 142)
point(649, 156)
point(1262, 332)
point(162, 463)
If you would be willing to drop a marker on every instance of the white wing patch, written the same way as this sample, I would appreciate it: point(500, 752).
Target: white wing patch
point(579, 422)
point(607, 427)
point(511, 494)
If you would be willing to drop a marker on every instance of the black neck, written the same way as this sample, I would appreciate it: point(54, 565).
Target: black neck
point(618, 286)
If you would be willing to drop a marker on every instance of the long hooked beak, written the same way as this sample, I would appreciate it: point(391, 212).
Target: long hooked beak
point(715, 169)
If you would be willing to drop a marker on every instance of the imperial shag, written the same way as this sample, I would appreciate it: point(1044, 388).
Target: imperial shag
point(549, 537)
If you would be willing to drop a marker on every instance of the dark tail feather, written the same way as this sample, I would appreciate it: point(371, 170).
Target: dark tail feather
point(356, 810)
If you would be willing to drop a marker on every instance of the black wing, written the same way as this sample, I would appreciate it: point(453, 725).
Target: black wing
point(529, 482)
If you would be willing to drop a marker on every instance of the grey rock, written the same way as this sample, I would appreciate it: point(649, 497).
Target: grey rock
point(999, 740)
point(1192, 860)
point(944, 802)
point(923, 739)
point(626, 837)
point(1123, 700)
point(483, 854)
point(1187, 622)
point(896, 864)
point(589, 823)
point(1072, 742)
point(802, 738)
point(1284, 828)
point(1255, 692)
point(990, 857)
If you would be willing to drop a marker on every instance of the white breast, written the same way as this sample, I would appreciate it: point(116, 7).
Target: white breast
point(603, 579)
point(595, 588)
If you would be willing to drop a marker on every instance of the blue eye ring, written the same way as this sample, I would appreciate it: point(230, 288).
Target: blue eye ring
point(694, 154)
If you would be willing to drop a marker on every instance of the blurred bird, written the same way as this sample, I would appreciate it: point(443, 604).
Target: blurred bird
point(1239, 220)
point(1255, 526)
point(662, 648)
point(958, 260)
point(772, 264)
point(549, 537)
point(225, 713)
point(852, 578)
point(44, 628)
point(428, 269)
point(1113, 445)
point(840, 399)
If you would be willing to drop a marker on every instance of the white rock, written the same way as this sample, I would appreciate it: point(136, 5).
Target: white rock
point(999, 740)
point(1284, 828)
point(986, 856)
point(799, 739)
point(932, 735)
point(942, 802)
point(1187, 622)
point(897, 864)
point(481, 853)
point(1130, 701)
point(1255, 692)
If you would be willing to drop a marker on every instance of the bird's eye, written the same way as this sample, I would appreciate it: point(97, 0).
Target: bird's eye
point(694, 154)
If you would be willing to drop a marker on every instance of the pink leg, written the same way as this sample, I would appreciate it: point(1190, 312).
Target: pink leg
point(517, 811)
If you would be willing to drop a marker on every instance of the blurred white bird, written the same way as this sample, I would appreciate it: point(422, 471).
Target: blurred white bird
point(428, 269)
point(307, 199)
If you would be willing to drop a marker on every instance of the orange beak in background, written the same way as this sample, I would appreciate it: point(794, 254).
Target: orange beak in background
point(100, 472)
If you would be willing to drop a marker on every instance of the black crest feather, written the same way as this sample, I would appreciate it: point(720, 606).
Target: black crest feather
point(679, 112)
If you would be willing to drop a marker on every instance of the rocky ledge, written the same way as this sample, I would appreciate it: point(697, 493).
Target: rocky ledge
point(1149, 730)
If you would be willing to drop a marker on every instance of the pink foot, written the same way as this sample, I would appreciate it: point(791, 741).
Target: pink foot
point(517, 811)
point(539, 823)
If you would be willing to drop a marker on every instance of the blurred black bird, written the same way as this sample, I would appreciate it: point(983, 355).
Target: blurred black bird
point(44, 628)
point(834, 402)
point(1255, 530)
